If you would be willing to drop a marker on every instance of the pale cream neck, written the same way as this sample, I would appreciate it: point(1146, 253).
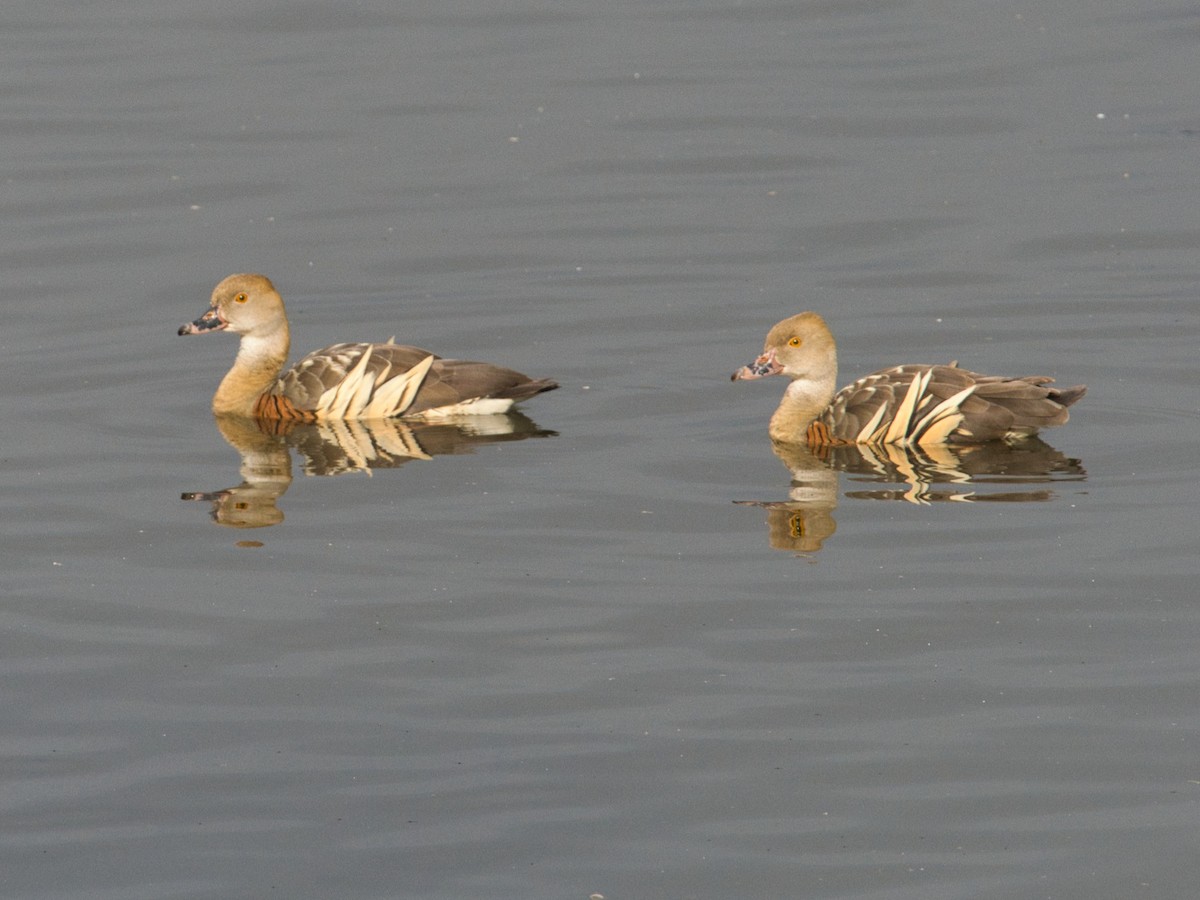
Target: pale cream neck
point(259, 361)
point(804, 400)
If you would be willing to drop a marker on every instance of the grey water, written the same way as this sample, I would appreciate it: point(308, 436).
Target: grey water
point(626, 651)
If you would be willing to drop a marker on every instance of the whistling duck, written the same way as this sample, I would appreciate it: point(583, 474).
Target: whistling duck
point(907, 405)
point(342, 381)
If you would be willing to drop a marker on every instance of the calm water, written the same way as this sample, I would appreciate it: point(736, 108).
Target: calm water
point(632, 655)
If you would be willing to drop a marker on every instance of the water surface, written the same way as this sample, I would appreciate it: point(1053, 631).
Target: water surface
point(576, 663)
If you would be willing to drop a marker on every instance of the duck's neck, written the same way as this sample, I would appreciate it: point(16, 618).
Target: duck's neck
point(805, 399)
point(259, 360)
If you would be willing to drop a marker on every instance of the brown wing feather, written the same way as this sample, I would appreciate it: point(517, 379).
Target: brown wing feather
point(1001, 407)
point(859, 403)
point(305, 382)
point(452, 381)
point(997, 408)
point(448, 382)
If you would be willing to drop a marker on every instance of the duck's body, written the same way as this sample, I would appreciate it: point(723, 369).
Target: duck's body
point(342, 381)
point(907, 405)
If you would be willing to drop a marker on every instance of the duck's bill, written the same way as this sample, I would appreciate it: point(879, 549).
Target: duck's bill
point(760, 368)
point(210, 321)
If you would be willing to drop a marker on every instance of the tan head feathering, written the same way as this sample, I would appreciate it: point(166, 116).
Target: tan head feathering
point(342, 381)
point(907, 405)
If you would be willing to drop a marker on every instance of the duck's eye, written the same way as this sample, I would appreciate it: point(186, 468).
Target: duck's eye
point(240, 298)
point(794, 342)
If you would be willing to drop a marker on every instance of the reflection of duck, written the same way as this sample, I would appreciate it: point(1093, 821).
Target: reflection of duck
point(337, 447)
point(342, 381)
point(805, 520)
point(974, 470)
point(906, 405)
point(266, 476)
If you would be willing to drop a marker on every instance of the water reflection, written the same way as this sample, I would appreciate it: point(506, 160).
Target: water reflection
point(336, 448)
point(974, 473)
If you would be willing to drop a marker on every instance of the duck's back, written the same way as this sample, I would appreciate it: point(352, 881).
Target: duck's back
point(926, 404)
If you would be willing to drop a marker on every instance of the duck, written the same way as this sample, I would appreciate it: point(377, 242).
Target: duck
point(906, 405)
point(342, 381)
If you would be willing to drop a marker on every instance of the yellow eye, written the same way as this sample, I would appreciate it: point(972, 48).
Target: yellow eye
point(240, 298)
point(794, 342)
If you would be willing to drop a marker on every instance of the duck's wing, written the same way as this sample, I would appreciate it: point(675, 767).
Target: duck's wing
point(1007, 408)
point(923, 404)
point(341, 380)
point(365, 381)
point(455, 386)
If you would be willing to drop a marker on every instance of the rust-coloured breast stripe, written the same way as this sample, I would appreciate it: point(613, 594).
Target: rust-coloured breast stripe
point(275, 406)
